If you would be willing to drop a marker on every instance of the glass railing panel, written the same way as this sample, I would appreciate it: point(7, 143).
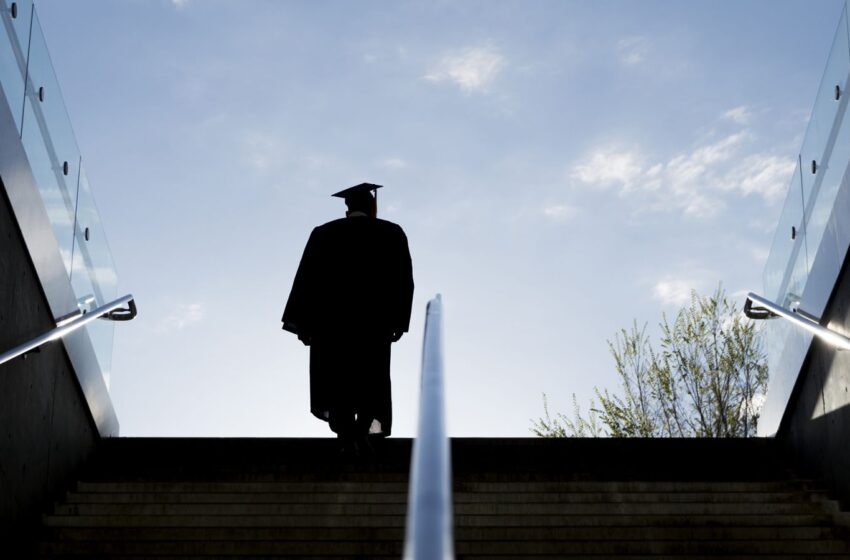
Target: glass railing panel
point(775, 333)
point(14, 40)
point(819, 208)
point(814, 153)
point(93, 276)
point(50, 144)
point(801, 273)
point(788, 251)
point(21, 22)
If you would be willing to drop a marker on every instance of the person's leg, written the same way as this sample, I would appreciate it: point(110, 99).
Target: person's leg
point(375, 403)
point(344, 424)
point(361, 434)
point(341, 424)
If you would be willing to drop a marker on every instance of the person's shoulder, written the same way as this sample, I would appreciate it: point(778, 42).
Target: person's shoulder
point(330, 226)
point(389, 226)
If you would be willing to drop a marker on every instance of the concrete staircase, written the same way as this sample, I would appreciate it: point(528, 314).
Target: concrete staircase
point(269, 498)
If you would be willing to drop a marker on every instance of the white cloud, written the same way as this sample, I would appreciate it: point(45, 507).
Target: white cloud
point(739, 115)
point(560, 212)
point(608, 168)
point(472, 69)
point(673, 292)
point(763, 174)
point(633, 50)
point(183, 315)
point(180, 4)
point(690, 177)
point(393, 163)
point(693, 182)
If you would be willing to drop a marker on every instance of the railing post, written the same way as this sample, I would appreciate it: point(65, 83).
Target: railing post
point(429, 507)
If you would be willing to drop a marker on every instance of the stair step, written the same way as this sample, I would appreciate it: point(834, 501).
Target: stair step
point(368, 486)
point(799, 533)
point(240, 487)
point(614, 508)
point(459, 497)
point(508, 520)
point(505, 547)
point(530, 498)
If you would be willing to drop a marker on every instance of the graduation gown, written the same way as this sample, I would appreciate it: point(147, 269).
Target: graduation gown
point(352, 291)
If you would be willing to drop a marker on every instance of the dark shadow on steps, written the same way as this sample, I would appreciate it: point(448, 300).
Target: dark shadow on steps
point(568, 498)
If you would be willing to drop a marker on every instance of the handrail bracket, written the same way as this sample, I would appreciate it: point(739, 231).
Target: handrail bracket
point(767, 309)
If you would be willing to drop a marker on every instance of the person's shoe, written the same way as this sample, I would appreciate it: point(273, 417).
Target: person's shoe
point(366, 447)
point(347, 448)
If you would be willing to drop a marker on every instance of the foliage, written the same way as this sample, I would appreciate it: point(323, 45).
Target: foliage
point(561, 426)
point(706, 378)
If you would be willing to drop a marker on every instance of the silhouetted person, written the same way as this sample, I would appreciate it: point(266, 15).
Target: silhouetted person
point(351, 299)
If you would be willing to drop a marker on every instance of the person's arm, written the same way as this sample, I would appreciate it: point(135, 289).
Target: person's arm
point(296, 315)
point(403, 288)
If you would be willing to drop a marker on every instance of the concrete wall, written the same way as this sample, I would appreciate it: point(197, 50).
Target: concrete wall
point(46, 429)
point(816, 426)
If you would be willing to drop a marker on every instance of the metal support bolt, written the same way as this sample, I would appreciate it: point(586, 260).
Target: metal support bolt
point(41, 93)
point(837, 93)
point(65, 168)
point(793, 233)
point(86, 234)
point(814, 167)
point(14, 10)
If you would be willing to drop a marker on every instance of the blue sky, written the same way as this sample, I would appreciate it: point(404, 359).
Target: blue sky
point(560, 168)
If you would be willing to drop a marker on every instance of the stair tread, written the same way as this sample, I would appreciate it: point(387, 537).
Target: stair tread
point(263, 498)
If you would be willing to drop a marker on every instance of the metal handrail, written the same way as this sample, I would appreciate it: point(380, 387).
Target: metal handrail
point(429, 504)
point(112, 311)
point(767, 309)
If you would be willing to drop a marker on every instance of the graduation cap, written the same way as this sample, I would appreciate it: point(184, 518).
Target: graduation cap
point(359, 192)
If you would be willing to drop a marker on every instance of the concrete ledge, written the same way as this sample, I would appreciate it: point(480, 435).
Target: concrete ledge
point(47, 429)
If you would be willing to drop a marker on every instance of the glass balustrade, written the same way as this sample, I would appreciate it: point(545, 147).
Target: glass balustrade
point(93, 274)
point(50, 144)
point(782, 270)
point(806, 253)
point(33, 94)
point(812, 192)
point(14, 46)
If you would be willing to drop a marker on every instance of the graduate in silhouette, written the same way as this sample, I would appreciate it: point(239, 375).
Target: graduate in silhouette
point(350, 300)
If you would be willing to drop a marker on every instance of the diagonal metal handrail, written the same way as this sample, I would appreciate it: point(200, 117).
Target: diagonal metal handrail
point(114, 311)
point(767, 309)
point(429, 504)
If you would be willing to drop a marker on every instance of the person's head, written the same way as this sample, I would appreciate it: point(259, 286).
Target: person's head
point(361, 198)
point(362, 201)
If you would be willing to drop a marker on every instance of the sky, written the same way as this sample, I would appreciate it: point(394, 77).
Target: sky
point(561, 169)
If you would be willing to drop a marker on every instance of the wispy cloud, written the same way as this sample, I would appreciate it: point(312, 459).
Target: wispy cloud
point(763, 174)
point(694, 181)
point(560, 212)
point(180, 4)
point(673, 291)
point(633, 50)
point(393, 163)
point(472, 69)
point(183, 315)
point(610, 168)
point(740, 115)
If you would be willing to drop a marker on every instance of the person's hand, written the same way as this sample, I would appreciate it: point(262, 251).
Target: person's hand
point(305, 338)
point(396, 335)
